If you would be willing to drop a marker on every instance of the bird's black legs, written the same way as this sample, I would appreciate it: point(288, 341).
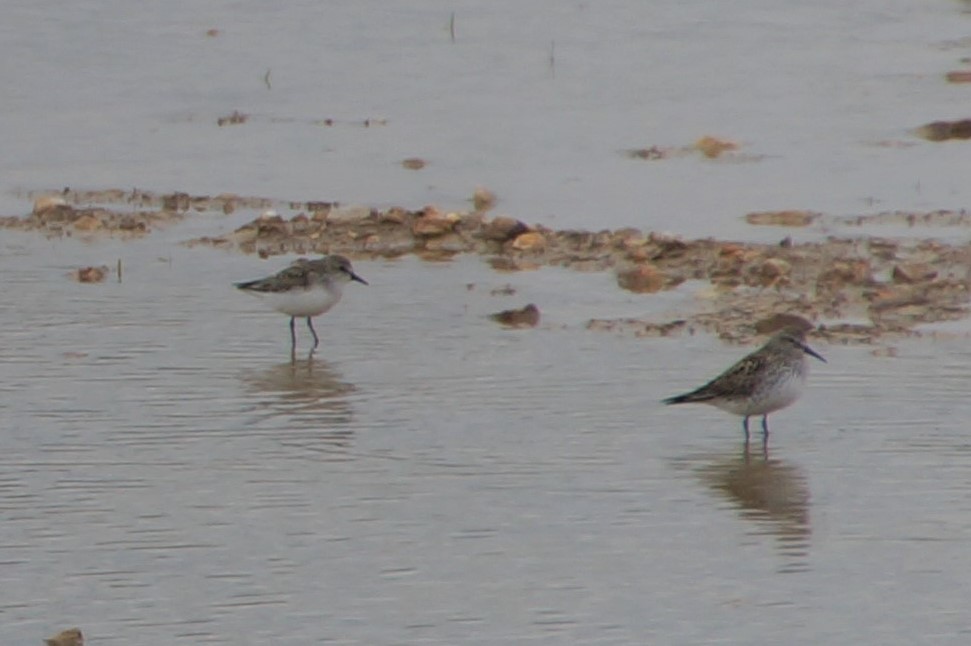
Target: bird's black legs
point(745, 428)
point(293, 335)
point(765, 426)
point(310, 324)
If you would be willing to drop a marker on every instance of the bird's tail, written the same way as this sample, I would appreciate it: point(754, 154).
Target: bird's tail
point(688, 398)
point(249, 284)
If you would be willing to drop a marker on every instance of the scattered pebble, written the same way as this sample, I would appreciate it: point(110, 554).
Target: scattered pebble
point(527, 316)
point(414, 163)
point(713, 147)
point(483, 199)
point(91, 274)
point(69, 637)
point(233, 119)
point(944, 130)
point(963, 76)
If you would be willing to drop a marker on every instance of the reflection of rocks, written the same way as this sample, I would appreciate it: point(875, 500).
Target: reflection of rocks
point(306, 398)
point(770, 493)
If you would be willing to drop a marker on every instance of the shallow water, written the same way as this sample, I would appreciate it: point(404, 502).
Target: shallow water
point(822, 99)
point(170, 477)
point(429, 477)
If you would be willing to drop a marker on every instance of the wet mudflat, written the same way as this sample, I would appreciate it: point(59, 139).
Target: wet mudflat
point(170, 477)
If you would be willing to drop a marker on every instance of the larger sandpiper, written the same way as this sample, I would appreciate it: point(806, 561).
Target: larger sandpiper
point(763, 382)
point(305, 289)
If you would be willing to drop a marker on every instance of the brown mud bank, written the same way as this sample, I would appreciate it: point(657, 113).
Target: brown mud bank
point(854, 289)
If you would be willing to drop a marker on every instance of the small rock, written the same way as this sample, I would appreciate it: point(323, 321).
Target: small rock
point(88, 222)
point(712, 147)
point(91, 274)
point(176, 202)
point(774, 269)
point(531, 241)
point(69, 637)
point(347, 214)
point(730, 249)
point(913, 273)
point(433, 223)
point(782, 218)
point(503, 228)
point(414, 163)
point(483, 199)
point(526, 317)
point(48, 203)
point(449, 242)
point(958, 77)
point(944, 130)
point(642, 279)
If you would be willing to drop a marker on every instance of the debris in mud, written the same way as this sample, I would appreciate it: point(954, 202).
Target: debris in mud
point(640, 328)
point(64, 219)
point(654, 152)
point(69, 637)
point(944, 130)
point(91, 274)
point(527, 316)
point(886, 286)
point(505, 290)
point(710, 147)
point(233, 119)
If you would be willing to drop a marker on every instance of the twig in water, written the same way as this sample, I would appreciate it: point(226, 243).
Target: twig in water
point(552, 58)
point(266, 79)
point(119, 270)
point(451, 26)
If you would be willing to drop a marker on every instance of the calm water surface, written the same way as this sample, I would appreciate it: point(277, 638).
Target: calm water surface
point(169, 477)
point(822, 96)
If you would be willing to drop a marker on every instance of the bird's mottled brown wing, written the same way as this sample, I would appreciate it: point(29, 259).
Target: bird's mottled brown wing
point(296, 275)
point(737, 381)
point(734, 383)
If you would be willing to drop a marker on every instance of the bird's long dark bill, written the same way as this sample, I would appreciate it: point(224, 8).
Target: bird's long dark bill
point(358, 278)
point(812, 353)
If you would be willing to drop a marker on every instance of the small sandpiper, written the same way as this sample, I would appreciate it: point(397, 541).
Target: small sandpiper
point(305, 289)
point(763, 382)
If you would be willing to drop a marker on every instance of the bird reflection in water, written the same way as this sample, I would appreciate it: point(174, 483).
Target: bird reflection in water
point(771, 493)
point(303, 402)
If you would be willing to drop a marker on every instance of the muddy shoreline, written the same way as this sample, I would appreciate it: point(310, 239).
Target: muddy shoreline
point(859, 289)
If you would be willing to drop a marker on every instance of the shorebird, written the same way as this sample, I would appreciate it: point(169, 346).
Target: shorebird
point(305, 289)
point(763, 382)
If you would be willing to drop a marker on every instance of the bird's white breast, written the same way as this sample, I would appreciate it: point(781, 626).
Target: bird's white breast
point(777, 392)
point(310, 301)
